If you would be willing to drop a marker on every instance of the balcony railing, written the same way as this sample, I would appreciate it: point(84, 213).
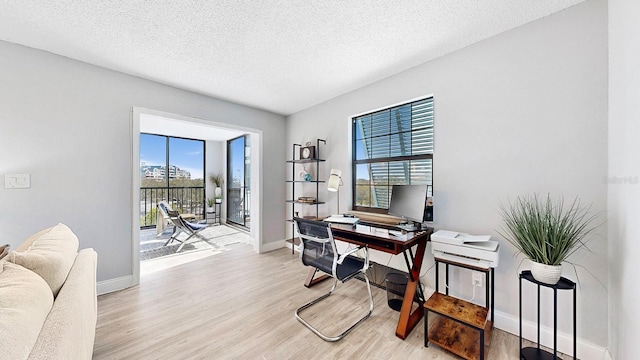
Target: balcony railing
point(186, 200)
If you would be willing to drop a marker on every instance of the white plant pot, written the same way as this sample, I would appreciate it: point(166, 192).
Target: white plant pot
point(210, 210)
point(547, 274)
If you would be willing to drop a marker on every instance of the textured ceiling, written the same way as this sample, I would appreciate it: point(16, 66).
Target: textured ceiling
point(279, 55)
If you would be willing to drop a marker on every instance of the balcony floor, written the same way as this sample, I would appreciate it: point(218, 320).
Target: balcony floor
point(217, 237)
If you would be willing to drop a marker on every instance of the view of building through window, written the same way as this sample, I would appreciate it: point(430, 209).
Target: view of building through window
point(183, 157)
point(171, 169)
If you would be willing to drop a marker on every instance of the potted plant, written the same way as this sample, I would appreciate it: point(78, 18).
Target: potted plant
point(547, 232)
point(210, 203)
point(217, 180)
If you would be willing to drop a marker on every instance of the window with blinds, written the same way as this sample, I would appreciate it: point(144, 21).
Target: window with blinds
point(391, 146)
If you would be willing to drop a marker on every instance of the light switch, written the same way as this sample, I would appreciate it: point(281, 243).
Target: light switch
point(17, 181)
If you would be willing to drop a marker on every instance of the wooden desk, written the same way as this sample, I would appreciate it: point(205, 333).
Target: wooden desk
point(378, 238)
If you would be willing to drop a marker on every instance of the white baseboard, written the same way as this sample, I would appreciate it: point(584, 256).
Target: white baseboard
point(607, 355)
point(586, 350)
point(111, 285)
point(273, 246)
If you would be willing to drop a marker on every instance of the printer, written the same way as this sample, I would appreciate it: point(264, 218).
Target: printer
point(473, 250)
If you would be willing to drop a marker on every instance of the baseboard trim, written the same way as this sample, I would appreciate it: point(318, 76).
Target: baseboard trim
point(607, 354)
point(273, 246)
point(112, 285)
point(586, 350)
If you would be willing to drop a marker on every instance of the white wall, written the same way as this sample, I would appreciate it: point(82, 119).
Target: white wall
point(522, 112)
point(216, 155)
point(624, 176)
point(67, 124)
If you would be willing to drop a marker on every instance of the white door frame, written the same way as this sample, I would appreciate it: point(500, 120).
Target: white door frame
point(256, 175)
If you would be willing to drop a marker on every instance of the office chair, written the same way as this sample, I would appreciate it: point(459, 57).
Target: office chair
point(181, 225)
point(318, 249)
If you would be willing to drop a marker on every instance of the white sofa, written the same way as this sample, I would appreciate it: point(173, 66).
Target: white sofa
point(48, 300)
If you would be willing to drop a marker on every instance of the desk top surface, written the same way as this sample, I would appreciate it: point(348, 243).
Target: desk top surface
point(379, 238)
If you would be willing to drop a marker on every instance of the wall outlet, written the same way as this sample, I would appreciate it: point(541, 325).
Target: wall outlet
point(17, 181)
point(476, 279)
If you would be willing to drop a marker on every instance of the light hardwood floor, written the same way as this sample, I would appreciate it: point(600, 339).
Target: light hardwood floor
point(236, 304)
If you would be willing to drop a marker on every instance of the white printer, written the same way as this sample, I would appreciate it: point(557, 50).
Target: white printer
point(474, 250)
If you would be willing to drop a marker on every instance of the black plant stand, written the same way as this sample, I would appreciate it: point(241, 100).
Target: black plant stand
point(529, 353)
point(214, 217)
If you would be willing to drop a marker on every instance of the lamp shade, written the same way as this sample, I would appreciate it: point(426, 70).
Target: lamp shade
point(334, 180)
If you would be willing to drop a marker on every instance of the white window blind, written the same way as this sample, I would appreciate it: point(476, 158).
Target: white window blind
point(393, 146)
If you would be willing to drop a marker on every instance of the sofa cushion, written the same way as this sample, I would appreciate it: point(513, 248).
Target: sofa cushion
point(25, 244)
point(50, 254)
point(25, 302)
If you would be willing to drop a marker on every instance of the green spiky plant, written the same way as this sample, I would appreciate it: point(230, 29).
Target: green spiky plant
point(545, 231)
point(216, 179)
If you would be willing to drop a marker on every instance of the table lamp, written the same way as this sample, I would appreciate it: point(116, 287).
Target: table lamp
point(334, 183)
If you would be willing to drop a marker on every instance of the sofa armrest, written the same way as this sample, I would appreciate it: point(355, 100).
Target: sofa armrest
point(70, 328)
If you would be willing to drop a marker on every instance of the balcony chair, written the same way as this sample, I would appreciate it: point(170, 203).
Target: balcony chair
point(180, 225)
point(184, 226)
point(162, 217)
point(318, 249)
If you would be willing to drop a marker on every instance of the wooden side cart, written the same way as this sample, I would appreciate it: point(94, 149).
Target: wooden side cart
point(461, 327)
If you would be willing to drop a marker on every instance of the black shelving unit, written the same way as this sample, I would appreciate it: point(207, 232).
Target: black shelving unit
point(530, 353)
point(315, 161)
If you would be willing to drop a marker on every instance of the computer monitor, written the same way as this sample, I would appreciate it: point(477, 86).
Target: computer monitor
point(408, 202)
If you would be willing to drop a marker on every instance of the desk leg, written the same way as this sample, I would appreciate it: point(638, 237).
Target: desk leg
point(310, 277)
point(409, 320)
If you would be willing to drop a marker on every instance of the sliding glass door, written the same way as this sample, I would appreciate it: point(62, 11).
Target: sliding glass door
point(238, 180)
